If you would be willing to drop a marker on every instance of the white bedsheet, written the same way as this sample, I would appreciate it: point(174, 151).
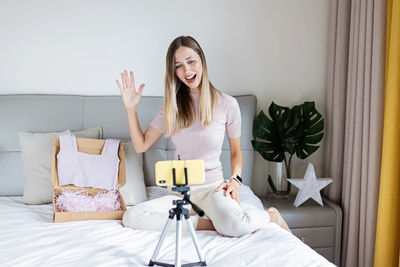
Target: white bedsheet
point(28, 237)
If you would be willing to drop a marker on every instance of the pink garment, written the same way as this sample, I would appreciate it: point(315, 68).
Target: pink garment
point(205, 142)
point(87, 170)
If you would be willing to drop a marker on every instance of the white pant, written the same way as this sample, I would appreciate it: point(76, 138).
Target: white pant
point(228, 217)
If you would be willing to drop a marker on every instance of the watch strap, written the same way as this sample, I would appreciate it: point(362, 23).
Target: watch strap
point(236, 177)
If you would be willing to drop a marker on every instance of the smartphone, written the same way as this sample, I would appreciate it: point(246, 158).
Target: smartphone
point(194, 167)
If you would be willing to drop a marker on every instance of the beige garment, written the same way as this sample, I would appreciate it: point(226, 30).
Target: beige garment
point(229, 218)
point(355, 93)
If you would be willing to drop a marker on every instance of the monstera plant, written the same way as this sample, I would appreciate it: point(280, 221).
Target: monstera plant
point(287, 132)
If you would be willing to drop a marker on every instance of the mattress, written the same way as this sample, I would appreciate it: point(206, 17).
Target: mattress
point(28, 237)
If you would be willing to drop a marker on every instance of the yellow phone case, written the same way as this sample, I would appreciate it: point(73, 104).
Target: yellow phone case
point(195, 172)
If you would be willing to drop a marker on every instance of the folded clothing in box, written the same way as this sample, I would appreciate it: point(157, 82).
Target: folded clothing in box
point(88, 166)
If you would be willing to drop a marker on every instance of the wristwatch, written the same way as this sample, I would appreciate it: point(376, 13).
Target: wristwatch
point(236, 177)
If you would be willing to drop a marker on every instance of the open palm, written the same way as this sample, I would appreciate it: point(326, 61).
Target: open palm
point(130, 96)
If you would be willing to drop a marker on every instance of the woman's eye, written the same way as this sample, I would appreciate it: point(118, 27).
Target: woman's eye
point(177, 67)
point(191, 61)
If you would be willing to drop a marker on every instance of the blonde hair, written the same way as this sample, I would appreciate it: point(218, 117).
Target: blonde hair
point(179, 108)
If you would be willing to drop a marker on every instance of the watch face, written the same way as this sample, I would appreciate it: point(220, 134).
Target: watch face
point(239, 178)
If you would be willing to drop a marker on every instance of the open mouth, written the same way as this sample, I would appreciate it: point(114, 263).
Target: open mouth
point(191, 79)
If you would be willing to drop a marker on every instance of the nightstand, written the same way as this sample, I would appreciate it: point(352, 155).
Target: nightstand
point(318, 227)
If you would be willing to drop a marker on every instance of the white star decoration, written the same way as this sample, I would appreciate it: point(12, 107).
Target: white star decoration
point(309, 187)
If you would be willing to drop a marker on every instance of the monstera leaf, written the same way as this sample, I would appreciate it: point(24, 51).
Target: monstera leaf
point(310, 129)
point(287, 131)
point(277, 134)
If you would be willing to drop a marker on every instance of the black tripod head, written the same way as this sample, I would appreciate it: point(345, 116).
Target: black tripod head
point(185, 191)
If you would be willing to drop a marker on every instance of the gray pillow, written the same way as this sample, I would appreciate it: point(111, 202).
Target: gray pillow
point(134, 191)
point(36, 152)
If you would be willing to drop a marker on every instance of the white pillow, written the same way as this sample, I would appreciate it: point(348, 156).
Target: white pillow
point(134, 191)
point(36, 152)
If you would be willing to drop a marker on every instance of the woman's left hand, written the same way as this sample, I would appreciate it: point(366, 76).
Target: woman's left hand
point(231, 188)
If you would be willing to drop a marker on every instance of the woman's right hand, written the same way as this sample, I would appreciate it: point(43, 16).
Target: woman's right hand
point(128, 90)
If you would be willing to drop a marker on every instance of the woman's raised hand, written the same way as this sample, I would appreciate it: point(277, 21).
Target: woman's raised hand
point(128, 90)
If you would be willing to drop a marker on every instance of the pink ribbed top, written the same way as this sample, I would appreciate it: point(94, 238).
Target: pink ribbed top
point(205, 142)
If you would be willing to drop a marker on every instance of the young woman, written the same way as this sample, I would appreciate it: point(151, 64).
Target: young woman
point(195, 115)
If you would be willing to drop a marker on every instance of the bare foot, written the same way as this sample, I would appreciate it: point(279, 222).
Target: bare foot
point(276, 217)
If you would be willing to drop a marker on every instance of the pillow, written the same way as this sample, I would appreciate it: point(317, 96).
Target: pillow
point(36, 152)
point(154, 191)
point(134, 191)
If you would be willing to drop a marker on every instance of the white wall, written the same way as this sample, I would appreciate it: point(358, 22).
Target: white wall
point(274, 49)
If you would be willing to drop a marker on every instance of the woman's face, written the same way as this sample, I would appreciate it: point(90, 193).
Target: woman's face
point(188, 67)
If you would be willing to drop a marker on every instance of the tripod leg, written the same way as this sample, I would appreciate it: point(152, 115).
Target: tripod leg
point(194, 238)
point(178, 243)
point(154, 257)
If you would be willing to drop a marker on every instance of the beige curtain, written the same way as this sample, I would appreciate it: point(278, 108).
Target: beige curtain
point(355, 94)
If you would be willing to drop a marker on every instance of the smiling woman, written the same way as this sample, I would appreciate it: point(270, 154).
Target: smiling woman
point(184, 59)
point(196, 115)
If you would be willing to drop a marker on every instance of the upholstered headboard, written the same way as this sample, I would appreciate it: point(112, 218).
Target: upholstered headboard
point(56, 113)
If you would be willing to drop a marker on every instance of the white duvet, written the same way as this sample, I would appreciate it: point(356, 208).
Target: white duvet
point(28, 237)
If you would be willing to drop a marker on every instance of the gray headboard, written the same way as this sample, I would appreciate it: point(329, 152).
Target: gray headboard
point(56, 113)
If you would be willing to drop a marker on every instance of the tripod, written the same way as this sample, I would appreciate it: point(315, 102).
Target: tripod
point(177, 212)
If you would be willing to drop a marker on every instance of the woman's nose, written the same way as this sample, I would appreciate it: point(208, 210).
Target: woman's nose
point(186, 69)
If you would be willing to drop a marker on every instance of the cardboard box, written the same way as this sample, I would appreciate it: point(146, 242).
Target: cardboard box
point(89, 146)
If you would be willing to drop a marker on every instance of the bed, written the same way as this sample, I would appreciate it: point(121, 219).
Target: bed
point(28, 236)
